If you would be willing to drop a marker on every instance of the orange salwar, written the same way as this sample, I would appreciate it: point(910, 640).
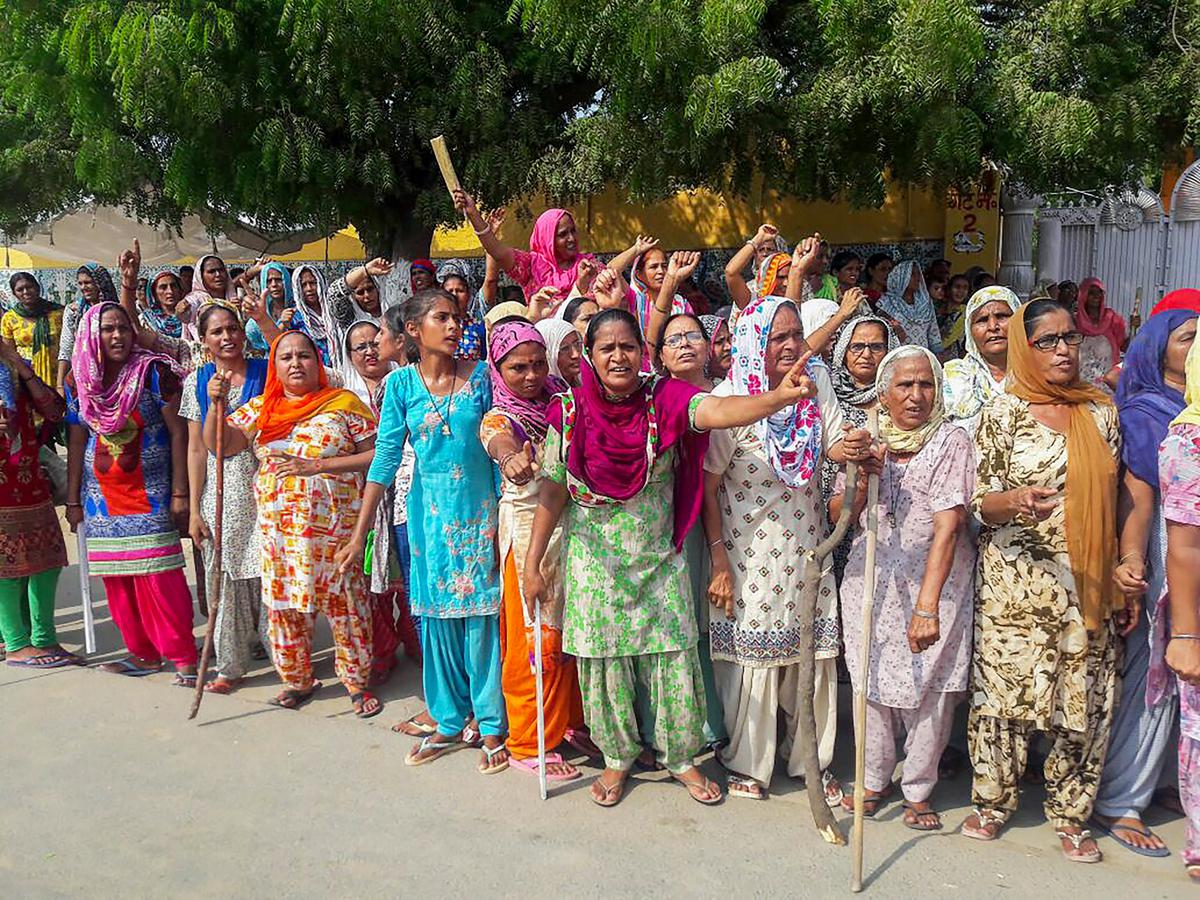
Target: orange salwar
point(560, 684)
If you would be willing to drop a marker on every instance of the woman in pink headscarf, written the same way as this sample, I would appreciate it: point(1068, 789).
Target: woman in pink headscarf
point(1103, 331)
point(553, 259)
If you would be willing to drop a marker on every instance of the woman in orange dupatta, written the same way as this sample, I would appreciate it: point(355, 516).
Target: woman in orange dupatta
point(1048, 611)
point(313, 443)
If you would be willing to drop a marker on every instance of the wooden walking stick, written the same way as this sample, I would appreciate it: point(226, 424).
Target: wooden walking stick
point(214, 593)
point(864, 665)
point(541, 697)
point(814, 564)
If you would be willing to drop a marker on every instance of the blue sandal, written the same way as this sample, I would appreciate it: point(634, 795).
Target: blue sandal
point(1111, 831)
point(126, 667)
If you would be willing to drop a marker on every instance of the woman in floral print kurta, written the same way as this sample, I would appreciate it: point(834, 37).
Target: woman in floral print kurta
point(1039, 664)
point(623, 450)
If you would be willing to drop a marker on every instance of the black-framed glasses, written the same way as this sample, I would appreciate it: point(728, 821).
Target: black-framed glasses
point(677, 339)
point(1048, 342)
point(859, 348)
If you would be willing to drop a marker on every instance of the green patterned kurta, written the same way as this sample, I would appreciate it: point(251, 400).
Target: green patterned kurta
point(629, 618)
point(627, 589)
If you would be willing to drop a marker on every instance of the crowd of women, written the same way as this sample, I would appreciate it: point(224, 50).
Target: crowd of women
point(427, 468)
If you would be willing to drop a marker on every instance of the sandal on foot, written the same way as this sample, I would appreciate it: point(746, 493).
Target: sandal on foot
point(487, 767)
point(413, 728)
point(293, 699)
point(834, 795)
point(1111, 831)
point(612, 793)
point(127, 667)
point(471, 736)
point(436, 750)
point(582, 741)
point(647, 761)
point(913, 816)
point(362, 704)
point(872, 803)
point(988, 828)
point(184, 681)
point(744, 787)
point(530, 767)
point(706, 785)
point(222, 685)
point(1193, 872)
point(1076, 853)
point(42, 661)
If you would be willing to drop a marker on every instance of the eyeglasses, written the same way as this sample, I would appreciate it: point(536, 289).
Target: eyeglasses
point(365, 347)
point(677, 339)
point(1048, 342)
point(858, 349)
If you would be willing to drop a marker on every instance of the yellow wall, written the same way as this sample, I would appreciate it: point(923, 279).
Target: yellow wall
point(705, 220)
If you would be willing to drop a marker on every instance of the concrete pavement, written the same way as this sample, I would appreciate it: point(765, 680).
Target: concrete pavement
point(108, 791)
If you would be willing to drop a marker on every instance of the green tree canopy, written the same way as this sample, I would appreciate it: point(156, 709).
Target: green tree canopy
point(312, 113)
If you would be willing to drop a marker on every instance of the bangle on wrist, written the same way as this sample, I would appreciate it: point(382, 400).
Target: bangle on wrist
point(175, 496)
point(720, 541)
point(1131, 554)
point(479, 232)
point(76, 504)
point(922, 614)
point(1185, 637)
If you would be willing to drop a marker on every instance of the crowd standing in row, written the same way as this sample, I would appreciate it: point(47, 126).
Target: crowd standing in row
point(424, 466)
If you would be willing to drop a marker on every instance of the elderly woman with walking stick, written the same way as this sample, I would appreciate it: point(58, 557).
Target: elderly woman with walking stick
point(920, 642)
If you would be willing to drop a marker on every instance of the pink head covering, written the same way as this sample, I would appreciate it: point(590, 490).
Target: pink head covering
point(107, 409)
point(1110, 324)
point(529, 414)
point(612, 449)
point(543, 265)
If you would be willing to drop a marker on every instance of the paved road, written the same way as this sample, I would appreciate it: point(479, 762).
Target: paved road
point(108, 791)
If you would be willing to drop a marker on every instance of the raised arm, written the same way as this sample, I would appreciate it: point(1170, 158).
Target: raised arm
point(820, 339)
point(503, 253)
point(681, 265)
point(625, 258)
point(130, 264)
point(735, 279)
point(730, 412)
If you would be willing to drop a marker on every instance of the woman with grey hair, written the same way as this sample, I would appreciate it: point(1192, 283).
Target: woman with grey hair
point(920, 642)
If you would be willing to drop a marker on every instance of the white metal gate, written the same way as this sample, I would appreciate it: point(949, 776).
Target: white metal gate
point(1181, 262)
point(1119, 238)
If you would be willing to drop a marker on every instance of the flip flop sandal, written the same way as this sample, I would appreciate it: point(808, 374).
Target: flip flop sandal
point(126, 667)
point(572, 737)
point(221, 686)
point(439, 748)
point(1076, 841)
point(42, 661)
point(915, 821)
point(471, 737)
point(744, 788)
point(1193, 872)
point(490, 768)
point(530, 767)
point(418, 729)
point(832, 800)
point(360, 700)
point(986, 820)
point(612, 793)
point(184, 681)
point(1111, 831)
point(298, 698)
point(707, 785)
point(871, 805)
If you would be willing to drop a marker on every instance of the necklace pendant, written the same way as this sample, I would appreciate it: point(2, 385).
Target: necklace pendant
point(891, 517)
point(446, 430)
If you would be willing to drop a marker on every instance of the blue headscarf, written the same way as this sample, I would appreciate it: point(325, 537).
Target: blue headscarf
point(287, 281)
point(104, 283)
point(1146, 404)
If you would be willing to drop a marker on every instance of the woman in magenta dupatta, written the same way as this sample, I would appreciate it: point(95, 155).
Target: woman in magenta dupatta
point(625, 450)
point(127, 484)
